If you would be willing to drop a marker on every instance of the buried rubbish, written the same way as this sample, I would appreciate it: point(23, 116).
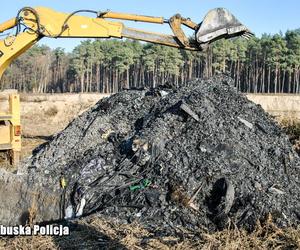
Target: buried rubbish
point(139, 156)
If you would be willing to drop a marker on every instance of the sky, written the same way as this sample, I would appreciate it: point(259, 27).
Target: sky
point(260, 16)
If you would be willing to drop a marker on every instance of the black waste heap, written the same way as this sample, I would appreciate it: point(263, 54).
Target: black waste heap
point(197, 156)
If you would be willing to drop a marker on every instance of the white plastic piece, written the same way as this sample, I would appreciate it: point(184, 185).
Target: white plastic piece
point(79, 210)
point(246, 123)
point(69, 214)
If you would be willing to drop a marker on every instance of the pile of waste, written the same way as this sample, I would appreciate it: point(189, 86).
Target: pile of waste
point(198, 156)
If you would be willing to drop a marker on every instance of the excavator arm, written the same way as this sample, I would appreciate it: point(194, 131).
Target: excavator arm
point(32, 24)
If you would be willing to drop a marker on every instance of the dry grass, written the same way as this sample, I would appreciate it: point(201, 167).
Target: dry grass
point(267, 236)
point(28, 242)
point(52, 111)
point(292, 128)
point(95, 233)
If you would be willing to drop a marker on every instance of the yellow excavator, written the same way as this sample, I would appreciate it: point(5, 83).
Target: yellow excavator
point(32, 24)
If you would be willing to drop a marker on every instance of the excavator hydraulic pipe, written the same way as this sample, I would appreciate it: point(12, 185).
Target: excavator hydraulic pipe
point(8, 24)
point(131, 17)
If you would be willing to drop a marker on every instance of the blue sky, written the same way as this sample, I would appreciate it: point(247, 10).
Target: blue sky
point(261, 16)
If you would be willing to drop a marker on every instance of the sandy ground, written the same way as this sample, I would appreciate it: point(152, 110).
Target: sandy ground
point(283, 106)
point(43, 117)
point(49, 114)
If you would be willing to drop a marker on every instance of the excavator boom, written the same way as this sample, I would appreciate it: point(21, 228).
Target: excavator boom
point(32, 24)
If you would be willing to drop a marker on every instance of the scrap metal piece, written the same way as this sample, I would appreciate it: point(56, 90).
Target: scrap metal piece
point(186, 108)
point(246, 123)
point(275, 190)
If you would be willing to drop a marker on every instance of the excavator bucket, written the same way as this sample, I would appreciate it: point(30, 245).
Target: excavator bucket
point(220, 23)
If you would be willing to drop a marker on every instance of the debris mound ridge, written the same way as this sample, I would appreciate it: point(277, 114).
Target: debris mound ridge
point(198, 156)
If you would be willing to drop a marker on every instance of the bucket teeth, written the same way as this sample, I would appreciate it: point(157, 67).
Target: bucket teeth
point(247, 35)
